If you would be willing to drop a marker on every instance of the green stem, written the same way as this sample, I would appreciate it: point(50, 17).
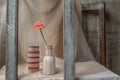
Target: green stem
point(43, 37)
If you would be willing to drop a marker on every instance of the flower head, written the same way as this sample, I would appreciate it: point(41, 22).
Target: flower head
point(38, 25)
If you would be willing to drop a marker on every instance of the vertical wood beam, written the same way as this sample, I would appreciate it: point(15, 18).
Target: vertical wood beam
point(12, 36)
point(102, 35)
point(69, 43)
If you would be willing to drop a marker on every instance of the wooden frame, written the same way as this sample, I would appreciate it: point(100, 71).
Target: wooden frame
point(100, 8)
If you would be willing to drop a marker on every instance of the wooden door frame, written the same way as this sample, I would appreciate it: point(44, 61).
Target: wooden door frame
point(100, 8)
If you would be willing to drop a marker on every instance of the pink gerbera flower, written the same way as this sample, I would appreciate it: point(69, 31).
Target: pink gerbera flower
point(38, 26)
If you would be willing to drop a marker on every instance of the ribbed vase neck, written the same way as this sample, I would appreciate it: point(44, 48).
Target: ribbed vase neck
point(49, 49)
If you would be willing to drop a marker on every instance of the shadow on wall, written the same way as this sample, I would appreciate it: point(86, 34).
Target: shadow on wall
point(2, 32)
point(113, 36)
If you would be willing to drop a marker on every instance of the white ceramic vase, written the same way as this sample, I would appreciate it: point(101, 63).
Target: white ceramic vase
point(49, 67)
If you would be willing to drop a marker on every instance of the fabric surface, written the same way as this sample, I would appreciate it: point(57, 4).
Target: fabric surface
point(47, 12)
point(50, 12)
point(84, 70)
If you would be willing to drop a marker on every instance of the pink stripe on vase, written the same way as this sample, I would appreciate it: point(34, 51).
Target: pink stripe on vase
point(33, 47)
point(33, 52)
point(33, 65)
point(33, 60)
point(33, 55)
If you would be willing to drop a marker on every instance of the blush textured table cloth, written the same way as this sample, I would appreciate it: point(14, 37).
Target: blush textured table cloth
point(84, 71)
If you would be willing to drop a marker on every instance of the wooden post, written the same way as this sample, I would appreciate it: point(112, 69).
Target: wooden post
point(12, 44)
point(69, 45)
point(102, 35)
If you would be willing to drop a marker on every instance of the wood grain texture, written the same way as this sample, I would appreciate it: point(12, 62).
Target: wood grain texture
point(69, 45)
point(12, 44)
point(102, 36)
point(92, 6)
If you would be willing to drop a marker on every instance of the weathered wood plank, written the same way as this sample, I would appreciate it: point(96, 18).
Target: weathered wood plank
point(12, 26)
point(102, 36)
point(92, 6)
point(69, 46)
